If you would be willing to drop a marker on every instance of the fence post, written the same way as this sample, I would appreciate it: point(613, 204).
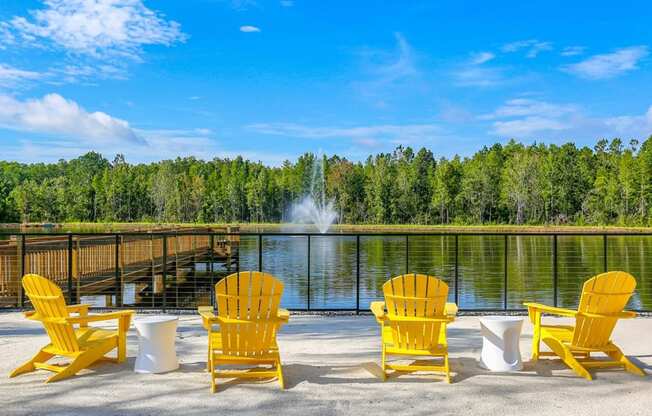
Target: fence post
point(118, 273)
point(76, 263)
point(210, 268)
point(357, 274)
point(152, 263)
point(555, 273)
point(505, 275)
point(407, 254)
point(237, 261)
point(165, 272)
point(604, 245)
point(71, 299)
point(457, 275)
point(21, 270)
point(177, 250)
point(260, 252)
point(308, 286)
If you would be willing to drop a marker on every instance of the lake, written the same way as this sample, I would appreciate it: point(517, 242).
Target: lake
point(481, 267)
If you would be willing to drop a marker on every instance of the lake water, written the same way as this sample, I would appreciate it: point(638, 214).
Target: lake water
point(481, 267)
point(484, 267)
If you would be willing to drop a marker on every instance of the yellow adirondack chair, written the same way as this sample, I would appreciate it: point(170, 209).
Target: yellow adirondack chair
point(248, 317)
point(413, 322)
point(601, 305)
point(83, 345)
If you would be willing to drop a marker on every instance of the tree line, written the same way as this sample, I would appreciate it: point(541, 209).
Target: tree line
point(514, 183)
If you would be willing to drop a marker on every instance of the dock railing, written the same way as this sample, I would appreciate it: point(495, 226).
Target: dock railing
point(177, 269)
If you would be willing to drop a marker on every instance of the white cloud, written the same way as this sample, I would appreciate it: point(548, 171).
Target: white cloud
point(528, 119)
point(249, 29)
point(387, 71)
point(388, 67)
point(632, 126)
point(54, 115)
point(609, 65)
point(532, 47)
point(481, 57)
point(527, 126)
point(388, 133)
point(244, 5)
point(159, 144)
point(475, 76)
point(10, 76)
point(83, 72)
point(529, 107)
point(573, 50)
point(97, 28)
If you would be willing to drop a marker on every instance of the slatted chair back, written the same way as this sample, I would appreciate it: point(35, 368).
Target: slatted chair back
point(604, 294)
point(50, 306)
point(415, 296)
point(253, 299)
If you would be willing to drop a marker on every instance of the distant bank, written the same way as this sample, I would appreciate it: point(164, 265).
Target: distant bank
point(344, 228)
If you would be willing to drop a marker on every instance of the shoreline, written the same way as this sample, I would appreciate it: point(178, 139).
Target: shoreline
point(389, 228)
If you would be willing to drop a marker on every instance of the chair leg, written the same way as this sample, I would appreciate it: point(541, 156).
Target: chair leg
point(618, 355)
point(567, 357)
point(122, 348)
point(448, 369)
point(211, 370)
point(383, 364)
point(536, 342)
point(208, 359)
point(279, 372)
point(28, 366)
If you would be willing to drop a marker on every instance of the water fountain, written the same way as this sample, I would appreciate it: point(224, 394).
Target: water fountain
point(314, 208)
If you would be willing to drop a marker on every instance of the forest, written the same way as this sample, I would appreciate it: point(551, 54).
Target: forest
point(513, 183)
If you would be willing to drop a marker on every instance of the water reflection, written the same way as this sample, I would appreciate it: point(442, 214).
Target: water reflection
point(332, 281)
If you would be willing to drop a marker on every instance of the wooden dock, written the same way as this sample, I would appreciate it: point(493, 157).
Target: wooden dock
point(164, 267)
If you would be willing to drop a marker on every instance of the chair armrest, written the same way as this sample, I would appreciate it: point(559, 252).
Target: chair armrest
point(378, 309)
point(31, 315)
point(541, 308)
point(618, 315)
point(450, 309)
point(208, 317)
point(81, 308)
point(627, 315)
point(284, 315)
point(123, 315)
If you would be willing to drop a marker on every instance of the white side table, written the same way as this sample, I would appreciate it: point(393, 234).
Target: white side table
point(156, 344)
point(500, 343)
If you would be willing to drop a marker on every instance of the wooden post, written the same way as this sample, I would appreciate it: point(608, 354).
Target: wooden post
point(193, 244)
point(76, 265)
point(152, 264)
point(122, 264)
point(20, 257)
point(176, 269)
point(119, 301)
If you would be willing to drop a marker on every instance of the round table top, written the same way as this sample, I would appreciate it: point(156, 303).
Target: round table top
point(154, 319)
point(499, 318)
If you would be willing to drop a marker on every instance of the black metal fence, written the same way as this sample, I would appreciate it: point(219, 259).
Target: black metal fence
point(333, 271)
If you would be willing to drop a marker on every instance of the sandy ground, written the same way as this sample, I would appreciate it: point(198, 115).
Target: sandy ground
point(331, 368)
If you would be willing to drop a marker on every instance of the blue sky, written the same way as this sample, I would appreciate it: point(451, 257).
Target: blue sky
point(270, 80)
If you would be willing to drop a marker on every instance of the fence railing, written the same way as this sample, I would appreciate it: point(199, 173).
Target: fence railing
point(332, 271)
